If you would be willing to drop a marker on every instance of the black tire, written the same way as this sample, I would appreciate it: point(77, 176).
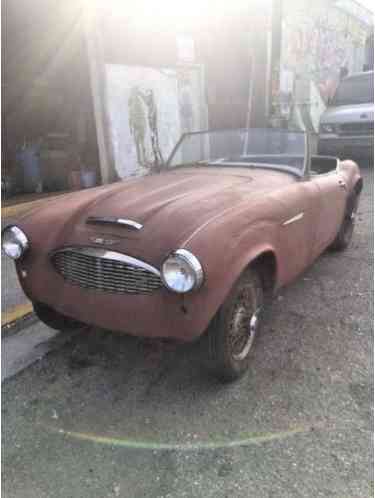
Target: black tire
point(54, 319)
point(345, 233)
point(232, 332)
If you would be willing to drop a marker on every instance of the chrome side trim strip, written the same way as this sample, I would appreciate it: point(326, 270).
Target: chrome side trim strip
point(114, 221)
point(111, 256)
point(298, 217)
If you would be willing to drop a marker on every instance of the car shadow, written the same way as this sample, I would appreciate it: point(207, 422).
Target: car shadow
point(135, 390)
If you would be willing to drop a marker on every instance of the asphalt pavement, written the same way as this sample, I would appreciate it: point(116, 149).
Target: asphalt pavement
point(111, 416)
point(13, 295)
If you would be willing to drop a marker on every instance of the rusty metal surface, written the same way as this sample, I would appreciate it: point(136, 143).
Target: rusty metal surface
point(225, 216)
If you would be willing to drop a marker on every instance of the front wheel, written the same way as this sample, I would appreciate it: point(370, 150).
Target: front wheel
point(232, 332)
point(55, 320)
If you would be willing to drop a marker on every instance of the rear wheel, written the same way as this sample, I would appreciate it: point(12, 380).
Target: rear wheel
point(232, 332)
point(345, 234)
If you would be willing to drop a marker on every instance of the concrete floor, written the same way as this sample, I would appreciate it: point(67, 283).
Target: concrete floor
point(104, 416)
point(13, 301)
point(12, 294)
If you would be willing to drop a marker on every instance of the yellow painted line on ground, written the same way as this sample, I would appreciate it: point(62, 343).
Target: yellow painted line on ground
point(18, 209)
point(23, 207)
point(15, 313)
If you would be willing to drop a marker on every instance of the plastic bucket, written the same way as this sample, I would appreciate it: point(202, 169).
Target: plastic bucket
point(30, 166)
point(88, 179)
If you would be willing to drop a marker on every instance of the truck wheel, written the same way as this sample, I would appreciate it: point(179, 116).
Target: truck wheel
point(232, 332)
point(345, 234)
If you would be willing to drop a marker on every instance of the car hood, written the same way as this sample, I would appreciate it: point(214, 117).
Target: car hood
point(170, 206)
point(348, 114)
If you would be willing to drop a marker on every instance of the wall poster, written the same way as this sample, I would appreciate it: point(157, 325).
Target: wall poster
point(148, 109)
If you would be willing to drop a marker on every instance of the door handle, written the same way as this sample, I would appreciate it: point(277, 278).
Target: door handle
point(343, 185)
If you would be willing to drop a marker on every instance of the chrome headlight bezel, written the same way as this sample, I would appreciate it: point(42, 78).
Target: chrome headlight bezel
point(190, 265)
point(13, 235)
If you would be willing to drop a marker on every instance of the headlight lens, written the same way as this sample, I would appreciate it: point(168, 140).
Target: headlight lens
point(327, 128)
point(182, 272)
point(14, 242)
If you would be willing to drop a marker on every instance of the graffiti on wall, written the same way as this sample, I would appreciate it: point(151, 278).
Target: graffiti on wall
point(143, 114)
point(148, 110)
point(320, 44)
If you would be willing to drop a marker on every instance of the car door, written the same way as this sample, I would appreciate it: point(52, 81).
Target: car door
point(332, 201)
point(297, 231)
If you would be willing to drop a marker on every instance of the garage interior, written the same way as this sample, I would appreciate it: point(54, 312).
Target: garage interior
point(48, 134)
point(50, 140)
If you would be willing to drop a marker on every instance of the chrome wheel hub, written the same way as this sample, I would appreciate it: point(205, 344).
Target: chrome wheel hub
point(244, 329)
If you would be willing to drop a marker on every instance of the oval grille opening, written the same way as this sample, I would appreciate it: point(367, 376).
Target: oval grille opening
point(97, 270)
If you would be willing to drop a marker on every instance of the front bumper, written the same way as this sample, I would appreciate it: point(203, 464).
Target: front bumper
point(161, 314)
point(346, 147)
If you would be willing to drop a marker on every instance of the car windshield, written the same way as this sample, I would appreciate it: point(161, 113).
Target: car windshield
point(250, 148)
point(354, 91)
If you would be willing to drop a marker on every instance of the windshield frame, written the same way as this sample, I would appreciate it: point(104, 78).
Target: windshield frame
point(287, 169)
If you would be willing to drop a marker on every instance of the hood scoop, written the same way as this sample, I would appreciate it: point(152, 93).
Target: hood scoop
point(112, 220)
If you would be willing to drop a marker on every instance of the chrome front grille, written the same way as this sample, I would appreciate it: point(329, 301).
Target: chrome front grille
point(106, 271)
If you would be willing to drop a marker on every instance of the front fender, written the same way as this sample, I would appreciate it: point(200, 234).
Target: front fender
point(223, 265)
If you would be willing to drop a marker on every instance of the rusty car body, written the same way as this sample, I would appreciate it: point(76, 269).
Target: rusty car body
point(230, 218)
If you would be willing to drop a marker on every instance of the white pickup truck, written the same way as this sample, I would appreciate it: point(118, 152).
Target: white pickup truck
point(347, 126)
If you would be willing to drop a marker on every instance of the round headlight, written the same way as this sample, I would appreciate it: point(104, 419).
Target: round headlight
point(14, 242)
point(182, 272)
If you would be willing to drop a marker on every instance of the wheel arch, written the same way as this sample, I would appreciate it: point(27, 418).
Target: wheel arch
point(262, 260)
point(354, 196)
point(254, 248)
point(265, 263)
point(358, 186)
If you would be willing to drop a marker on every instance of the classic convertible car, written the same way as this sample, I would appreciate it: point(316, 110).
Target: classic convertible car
point(195, 247)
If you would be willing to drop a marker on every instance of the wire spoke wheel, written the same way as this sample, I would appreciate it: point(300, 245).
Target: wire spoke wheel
point(345, 233)
point(232, 332)
point(242, 327)
point(348, 230)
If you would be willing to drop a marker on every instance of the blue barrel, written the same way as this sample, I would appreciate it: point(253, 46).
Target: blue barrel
point(28, 159)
